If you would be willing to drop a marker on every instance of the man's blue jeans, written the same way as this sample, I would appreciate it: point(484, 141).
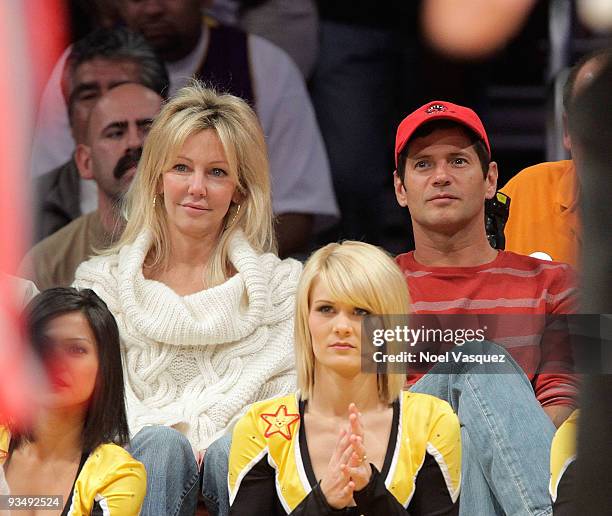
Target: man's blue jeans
point(172, 471)
point(505, 434)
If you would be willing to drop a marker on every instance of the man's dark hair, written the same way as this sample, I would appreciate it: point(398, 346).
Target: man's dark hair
point(605, 55)
point(106, 419)
point(118, 44)
point(429, 127)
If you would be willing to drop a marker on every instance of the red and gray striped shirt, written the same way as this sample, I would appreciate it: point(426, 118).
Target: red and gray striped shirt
point(510, 284)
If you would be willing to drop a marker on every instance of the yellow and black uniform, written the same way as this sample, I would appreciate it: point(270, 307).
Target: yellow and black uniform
point(562, 466)
point(109, 482)
point(270, 471)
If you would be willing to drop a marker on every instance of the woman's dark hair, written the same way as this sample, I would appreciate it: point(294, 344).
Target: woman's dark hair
point(106, 419)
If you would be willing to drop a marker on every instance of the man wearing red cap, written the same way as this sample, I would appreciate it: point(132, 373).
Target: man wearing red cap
point(444, 175)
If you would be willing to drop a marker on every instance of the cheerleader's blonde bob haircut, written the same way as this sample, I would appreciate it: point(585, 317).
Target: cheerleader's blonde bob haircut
point(357, 274)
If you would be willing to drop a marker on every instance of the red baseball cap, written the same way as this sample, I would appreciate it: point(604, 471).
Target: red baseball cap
point(438, 110)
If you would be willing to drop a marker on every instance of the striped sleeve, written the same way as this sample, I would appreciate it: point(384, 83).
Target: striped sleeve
point(556, 383)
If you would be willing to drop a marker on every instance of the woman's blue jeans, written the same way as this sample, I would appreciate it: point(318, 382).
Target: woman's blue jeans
point(172, 471)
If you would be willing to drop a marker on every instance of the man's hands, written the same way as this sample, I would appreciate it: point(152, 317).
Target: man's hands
point(348, 469)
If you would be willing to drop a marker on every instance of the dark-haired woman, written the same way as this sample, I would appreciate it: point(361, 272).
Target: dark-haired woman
point(73, 446)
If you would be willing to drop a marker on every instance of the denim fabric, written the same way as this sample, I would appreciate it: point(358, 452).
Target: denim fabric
point(506, 436)
point(172, 471)
point(214, 476)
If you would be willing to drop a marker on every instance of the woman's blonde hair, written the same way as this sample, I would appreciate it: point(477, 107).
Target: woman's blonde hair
point(357, 274)
point(193, 109)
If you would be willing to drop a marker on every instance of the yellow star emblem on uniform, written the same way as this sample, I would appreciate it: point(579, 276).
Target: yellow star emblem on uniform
point(280, 423)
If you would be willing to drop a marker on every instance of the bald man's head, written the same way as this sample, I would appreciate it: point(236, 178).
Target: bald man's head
point(126, 101)
point(579, 77)
point(116, 130)
point(171, 27)
point(583, 73)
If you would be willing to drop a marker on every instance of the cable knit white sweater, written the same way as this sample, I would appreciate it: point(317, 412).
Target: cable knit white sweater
point(196, 362)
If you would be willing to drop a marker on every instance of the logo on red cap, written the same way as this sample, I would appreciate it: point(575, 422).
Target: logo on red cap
point(434, 110)
point(436, 107)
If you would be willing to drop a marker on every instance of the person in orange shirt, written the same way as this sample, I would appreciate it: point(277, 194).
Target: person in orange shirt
point(544, 221)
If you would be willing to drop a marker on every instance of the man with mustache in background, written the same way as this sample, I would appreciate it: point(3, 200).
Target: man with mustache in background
point(117, 126)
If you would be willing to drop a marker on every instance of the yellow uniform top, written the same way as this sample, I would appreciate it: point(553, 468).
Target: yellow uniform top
point(562, 452)
point(424, 426)
point(111, 482)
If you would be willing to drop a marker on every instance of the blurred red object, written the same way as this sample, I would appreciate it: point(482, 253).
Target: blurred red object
point(47, 35)
point(32, 36)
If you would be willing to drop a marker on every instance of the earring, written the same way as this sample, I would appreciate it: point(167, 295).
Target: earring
point(234, 217)
point(154, 200)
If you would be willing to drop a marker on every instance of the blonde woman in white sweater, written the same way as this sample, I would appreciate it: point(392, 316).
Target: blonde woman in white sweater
point(203, 304)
